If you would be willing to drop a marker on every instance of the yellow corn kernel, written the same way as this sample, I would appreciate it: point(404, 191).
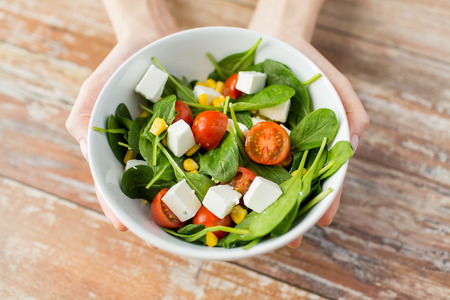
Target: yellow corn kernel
point(238, 213)
point(198, 83)
point(190, 165)
point(191, 151)
point(129, 155)
point(219, 101)
point(210, 83)
point(304, 171)
point(144, 114)
point(203, 99)
point(211, 239)
point(220, 86)
point(286, 162)
point(158, 126)
point(194, 171)
point(145, 202)
point(296, 171)
point(164, 141)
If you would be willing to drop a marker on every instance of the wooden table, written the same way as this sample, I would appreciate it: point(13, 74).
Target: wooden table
point(389, 240)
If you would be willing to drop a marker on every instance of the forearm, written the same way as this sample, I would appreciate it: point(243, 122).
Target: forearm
point(150, 18)
point(286, 18)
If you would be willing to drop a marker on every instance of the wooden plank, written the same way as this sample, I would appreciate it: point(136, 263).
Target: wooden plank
point(418, 26)
point(37, 93)
point(410, 117)
point(52, 248)
point(78, 32)
point(389, 240)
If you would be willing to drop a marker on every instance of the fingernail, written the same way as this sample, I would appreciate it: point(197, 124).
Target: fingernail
point(354, 141)
point(83, 147)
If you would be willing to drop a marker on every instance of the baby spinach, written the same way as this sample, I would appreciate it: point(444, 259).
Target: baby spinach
point(191, 237)
point(123, 116)
point(278, 73)
point(235, 239)
point(198, 182)
point(338, 155)
point(294, 190)
point(233, 63)
point(313, 128)
point(162, 171)
point(134, 134)
point(135, 179)
point(222, 162)
point(115, 138)
point(244, 117)
point(268, 97)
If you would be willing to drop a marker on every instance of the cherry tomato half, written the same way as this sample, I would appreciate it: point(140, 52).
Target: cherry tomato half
point(229, 88)
point(208, 128)
point(267, 143)
point(183, 112)
point(207, 218)
point(161, 214)
point(242, 180)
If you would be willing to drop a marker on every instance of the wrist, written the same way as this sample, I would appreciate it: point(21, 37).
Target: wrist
point(286, 19)
point(145, 19)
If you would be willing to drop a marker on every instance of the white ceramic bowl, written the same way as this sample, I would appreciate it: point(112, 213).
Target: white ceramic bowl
point(184, 54)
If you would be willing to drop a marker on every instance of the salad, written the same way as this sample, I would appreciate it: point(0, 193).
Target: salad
point(229, 161)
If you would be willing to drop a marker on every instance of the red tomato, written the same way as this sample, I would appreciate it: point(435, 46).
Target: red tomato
point(267, 143)
point(183, 112)
point(242, 180)
point(161, 214)
point(207, 218)
point(229, 88)
point(209, 127)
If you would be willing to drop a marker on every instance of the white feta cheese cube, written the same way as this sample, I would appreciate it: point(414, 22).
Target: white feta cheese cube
point(211, 93)
point(221, 199)
point(256, 120)
point(131, 163)
point(243, 128)
point(261, 194)
point(182, 201)
point(278, 112)
point(251, 82)
point(180, 138)
point(152, 84)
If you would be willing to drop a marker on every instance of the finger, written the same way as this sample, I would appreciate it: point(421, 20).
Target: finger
point(358, 119)
point(295, 243)
point(109, 214)
point(78, 121)
point(327, 218)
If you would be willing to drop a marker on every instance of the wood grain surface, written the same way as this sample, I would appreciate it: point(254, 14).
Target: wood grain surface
point(389, 240)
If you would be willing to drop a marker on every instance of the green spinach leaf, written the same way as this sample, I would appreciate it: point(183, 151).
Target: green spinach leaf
point(339, 154)
point(313, 128)
point(135, 179)
point(134, 134)
point(115, 138)
point(268, 97)
point(222, 162)
point(233, 63)
point(280, 74)
point(123, 116)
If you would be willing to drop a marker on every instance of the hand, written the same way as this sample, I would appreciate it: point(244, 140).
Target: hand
point(78, 121)
point(297, 31)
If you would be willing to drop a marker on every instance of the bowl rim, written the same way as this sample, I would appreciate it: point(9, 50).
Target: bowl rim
point(207, 253)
